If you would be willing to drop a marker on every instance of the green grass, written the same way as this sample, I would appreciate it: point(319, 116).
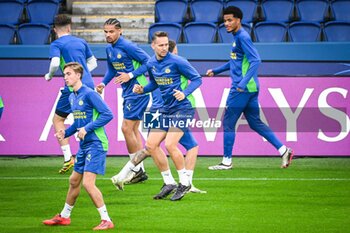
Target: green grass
point(313, 195)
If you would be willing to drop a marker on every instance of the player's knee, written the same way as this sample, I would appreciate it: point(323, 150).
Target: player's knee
point(73, 182)
point(150, 146)
point(170, 146)
point(88, 186)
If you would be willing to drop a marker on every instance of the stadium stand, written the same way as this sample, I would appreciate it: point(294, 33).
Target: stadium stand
point(277, 10)
point(337, 31)
point(270, 32)
point(200, 32)
point(173, 29)
point(248, 7)
point(7, 34)
point(304, 32)
point(33, 33)
point(36, 9)
point(206, 10)
point(341, 10)
point(313, 10)
point(11, 11)
point(165, 11)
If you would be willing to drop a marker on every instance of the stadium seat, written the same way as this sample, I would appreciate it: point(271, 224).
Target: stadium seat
point(341, 10)
point(225, 37)
point(248, 7)
point(312, 10)
point(200, 32)
point(337, 31)
point(173, 29)
point(32, 33)
point(173, 11)
point(7, 33)
point(270, 32)
point(11, 11)
point(277, 10)
point(304, 31)
point(206, 10)
point(42, 11)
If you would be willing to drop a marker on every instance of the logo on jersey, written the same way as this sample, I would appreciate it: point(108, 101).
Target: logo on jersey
point(167, 70)
point(110, 55)
point(234, 44)
point(81, 102)
point(119, 56)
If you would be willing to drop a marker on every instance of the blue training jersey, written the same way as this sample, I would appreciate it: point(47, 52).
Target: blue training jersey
point(169, 74)
point(243, 64)
point(125, 56)
point(92, 113)
point(73, 49)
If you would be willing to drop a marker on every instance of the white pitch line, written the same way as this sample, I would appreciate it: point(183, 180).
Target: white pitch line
point(205, 178)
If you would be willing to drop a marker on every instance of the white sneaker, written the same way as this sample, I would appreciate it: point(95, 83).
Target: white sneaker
point(119, 184)
point(220, 166)
point(195, 190)
point(287, 158)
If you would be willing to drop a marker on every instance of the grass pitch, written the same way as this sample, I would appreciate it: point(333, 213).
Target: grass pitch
point(313, 195)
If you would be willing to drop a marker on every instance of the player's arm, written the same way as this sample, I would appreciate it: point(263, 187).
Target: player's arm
point(152, 84)
point(105, 114)
point(141, 56)
point(54, 65)
point(91, 63)
point(218, 70)
point(190, 73)
point(70, 130)
point(109, 75)
point(253, 59)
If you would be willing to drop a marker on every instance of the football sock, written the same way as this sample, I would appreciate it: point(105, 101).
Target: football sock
point(282, 150)
point(66, 152)
point(189, 174)
point(129, 166)
point(67, 209)
point(227, 160)
point(103, 213)
point(137, 168)
point(183, 177)
point(168, 177)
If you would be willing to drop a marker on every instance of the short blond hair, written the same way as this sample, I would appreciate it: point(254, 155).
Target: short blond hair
point(76, 67)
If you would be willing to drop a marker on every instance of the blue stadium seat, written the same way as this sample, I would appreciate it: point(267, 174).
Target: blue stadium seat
point(7, 33)
point(270, 32)
point(304, 31)
point(248, 7)
point(42, 11)
point(206, 10)
point(341, 10)
point(173, 11)
point(277, 10)
point(337, 31)
point(173, 29)
point(225, 37)
point(33, 33)
point(200, 32)
point(312, 10)
point(11, 11)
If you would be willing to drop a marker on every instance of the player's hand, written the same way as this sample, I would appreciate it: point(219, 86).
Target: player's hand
point(81, 133)
point(138, 89)
point(60, 134)
point(210, 73)
point(48, 77)
point(122, 78)
point(179, 95)
point(100, 87)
